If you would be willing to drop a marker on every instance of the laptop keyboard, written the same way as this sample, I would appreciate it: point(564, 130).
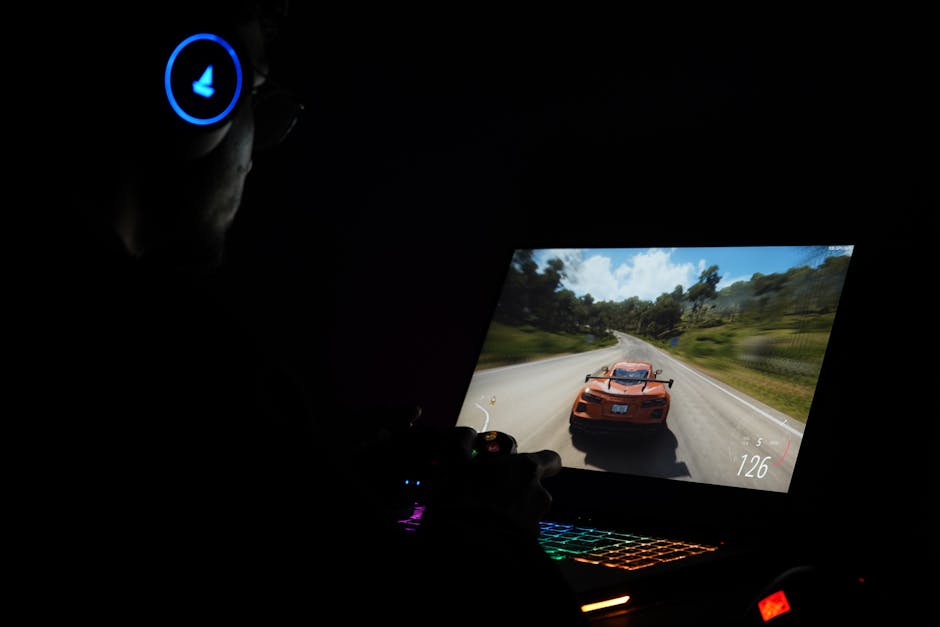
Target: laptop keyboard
point(614, 549)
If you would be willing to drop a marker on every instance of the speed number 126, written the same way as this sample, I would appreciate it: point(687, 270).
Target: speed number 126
point(753, 466)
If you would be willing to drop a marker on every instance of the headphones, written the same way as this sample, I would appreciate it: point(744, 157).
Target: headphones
point(204, 76)
point(203, 79)
point(167, 85)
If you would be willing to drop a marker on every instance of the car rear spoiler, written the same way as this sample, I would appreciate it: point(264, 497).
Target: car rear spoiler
point(668, 382)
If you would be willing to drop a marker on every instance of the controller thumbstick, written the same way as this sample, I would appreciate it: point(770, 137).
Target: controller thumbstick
point(493, 444)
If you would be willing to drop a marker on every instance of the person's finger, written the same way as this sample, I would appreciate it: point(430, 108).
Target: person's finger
point(528, 501)
point(463, 436)
point(548, 463)
point(459, 444)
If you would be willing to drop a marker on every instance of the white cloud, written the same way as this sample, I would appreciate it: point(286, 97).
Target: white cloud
point(645, 275)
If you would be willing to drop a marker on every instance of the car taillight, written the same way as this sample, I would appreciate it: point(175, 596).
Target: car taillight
point(653, 402)
point(587, 396)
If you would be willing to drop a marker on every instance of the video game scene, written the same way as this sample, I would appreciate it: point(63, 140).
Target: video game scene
point(693, 364)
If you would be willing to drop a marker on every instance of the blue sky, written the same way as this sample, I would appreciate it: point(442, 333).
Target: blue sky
point(619, 273)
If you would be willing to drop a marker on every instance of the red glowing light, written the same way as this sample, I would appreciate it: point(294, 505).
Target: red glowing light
point(773, 605)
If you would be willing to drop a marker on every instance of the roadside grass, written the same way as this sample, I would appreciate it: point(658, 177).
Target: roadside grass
point(775, 362)
point(507, 344)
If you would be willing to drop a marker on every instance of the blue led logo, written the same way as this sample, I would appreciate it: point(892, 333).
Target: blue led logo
point(203, 86)
point(203, 79)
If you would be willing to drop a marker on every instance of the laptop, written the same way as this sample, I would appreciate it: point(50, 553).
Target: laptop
point(679, 386)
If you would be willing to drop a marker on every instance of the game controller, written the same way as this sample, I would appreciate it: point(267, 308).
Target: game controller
point(488, 444)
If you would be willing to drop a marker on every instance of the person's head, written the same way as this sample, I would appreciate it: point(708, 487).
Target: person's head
point(168, 99)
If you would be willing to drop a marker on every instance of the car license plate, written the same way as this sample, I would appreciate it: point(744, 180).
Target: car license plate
point(619, 409)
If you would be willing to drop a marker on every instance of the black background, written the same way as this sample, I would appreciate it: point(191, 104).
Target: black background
point(376, 236)
point(371, 244)
point(433, 144)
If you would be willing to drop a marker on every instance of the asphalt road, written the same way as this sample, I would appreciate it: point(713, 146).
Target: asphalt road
point(716, 434)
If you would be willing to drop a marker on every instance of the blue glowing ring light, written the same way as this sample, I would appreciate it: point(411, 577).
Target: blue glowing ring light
point(169, 88)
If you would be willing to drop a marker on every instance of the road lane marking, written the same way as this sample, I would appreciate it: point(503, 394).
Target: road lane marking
point(485, 413)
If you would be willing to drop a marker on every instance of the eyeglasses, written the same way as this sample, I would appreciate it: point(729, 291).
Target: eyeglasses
point(277, 111)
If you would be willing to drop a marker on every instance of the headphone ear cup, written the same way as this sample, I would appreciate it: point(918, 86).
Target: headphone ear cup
point(204, 82)
point(149, 96)
point(203, 79)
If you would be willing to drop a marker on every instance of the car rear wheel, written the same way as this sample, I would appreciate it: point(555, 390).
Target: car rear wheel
point(572, 428)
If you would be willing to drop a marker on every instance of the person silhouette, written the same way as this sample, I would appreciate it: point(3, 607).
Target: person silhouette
point(181, 466)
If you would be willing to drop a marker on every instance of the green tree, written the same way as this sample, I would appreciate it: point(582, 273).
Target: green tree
point(543, 293)
point(703, 291)
point(528, 296)
point(662, 318)
point(564, 314)
point(765, 288)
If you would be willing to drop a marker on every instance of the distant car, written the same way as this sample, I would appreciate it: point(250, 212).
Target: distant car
point(626, 396)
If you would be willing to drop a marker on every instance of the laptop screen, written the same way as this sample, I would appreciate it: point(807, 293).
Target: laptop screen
point(693, 364)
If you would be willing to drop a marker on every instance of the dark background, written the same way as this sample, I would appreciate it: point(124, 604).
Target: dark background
point(372, 243)
point(432, 145)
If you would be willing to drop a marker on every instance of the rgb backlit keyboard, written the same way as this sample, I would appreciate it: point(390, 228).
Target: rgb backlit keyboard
point(614, 549)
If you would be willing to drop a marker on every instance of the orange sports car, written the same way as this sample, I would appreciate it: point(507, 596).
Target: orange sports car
point(626, 396)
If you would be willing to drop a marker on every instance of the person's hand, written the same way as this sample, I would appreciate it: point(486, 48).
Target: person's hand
point(465, 490)
point(506, 486)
